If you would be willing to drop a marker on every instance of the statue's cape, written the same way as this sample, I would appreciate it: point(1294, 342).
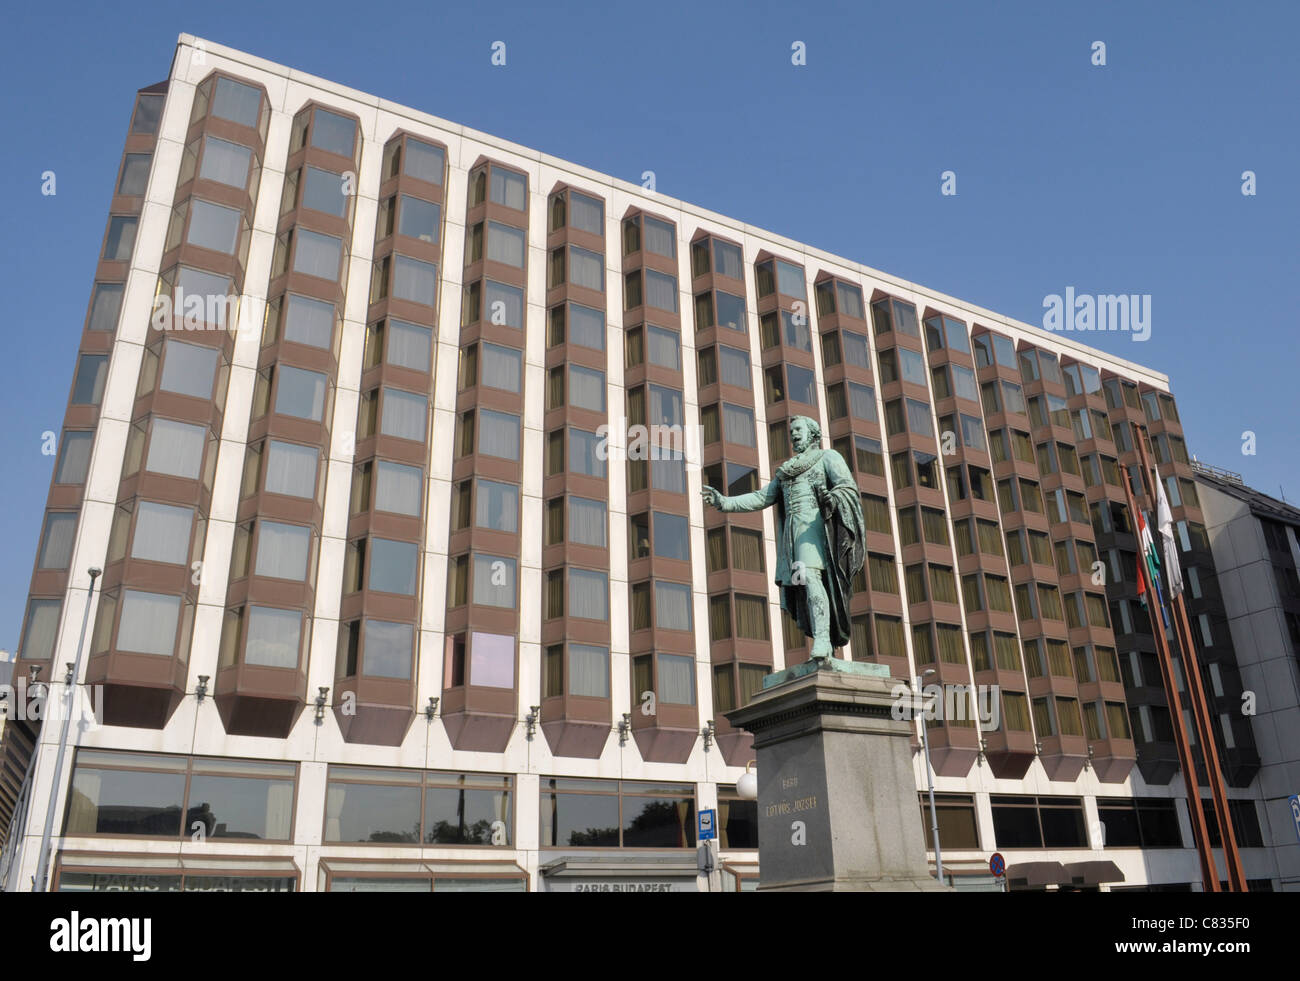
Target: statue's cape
point(845, 546)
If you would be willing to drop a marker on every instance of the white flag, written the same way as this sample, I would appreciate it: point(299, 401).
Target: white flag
point(1165, 520)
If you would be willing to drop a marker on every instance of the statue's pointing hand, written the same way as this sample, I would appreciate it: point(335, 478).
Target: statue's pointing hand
point(711, 497)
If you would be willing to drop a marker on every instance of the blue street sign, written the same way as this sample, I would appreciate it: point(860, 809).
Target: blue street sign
point(708, 825)
point(1294, 800)
point(998, 865)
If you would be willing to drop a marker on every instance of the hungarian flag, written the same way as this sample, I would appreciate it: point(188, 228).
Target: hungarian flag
point(1149, 558)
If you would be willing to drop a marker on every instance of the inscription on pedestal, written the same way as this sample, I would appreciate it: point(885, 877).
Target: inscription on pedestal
point(794, 828)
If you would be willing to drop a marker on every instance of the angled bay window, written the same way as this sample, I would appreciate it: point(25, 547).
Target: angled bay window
point(494, 581)
point(212, 226)
point(188, 369)
point(581, 267)
point(40, 629)
point(501, 367)
point(105, 305)
point(503, 304)
point(660, 237)
point(918, 418)
point(301, 320)
point(578, 324)
point(120, 239)
point(421, 219)
point(375, 649)
point(398, 488)
point(660, 290)
point(146, 623)
point(176, 449)
point(298, 392)
point(225, 162)
point(508, 188)
point(74, 457)
point(415, 158)
point(585, 453)
point(162, 532)
point(847, 300)
point(283, 551)
point(135, 174)
point(91, 377)
point(235, 101)
point(321, 190)
point(314, 253)
point(57, 536)
point(586, 594)
point(576, 210)
point(402, 344)
point(401, 414)
point(393, 566)
point(270, 637)
point(498, 433)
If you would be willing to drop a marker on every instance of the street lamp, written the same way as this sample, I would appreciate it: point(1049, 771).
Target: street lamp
point(39, 884)
point(747, 785)
point(929, 775)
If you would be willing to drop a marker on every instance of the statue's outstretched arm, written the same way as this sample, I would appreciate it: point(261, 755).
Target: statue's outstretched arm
point(753, 501)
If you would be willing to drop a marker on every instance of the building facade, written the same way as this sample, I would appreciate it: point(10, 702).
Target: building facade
point(1256, 543)
point(388, 437)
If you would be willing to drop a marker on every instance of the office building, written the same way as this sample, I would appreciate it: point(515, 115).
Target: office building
point(1256, 555)
point(388, 437)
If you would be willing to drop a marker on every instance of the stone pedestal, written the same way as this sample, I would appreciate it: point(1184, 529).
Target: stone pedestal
point(837, 800)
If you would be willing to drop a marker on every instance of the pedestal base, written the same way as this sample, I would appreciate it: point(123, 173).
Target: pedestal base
point(837, 800)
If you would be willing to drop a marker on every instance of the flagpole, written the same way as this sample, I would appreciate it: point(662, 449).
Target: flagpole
point(1209, 873)
point(1200, 707)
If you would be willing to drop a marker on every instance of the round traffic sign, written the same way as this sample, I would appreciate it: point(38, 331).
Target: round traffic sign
point(998, 865)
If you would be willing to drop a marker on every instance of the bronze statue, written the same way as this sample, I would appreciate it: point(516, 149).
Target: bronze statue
point(819, 534)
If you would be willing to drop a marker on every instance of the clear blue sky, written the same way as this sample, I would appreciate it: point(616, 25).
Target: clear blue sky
point(1124, 178)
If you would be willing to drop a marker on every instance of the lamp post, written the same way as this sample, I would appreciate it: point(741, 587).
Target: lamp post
point(42, 870)
point(929, 775)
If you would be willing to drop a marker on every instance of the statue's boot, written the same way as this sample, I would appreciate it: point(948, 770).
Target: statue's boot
point(819, 611)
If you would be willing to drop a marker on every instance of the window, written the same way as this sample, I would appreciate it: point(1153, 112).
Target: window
point(225, 162)
point(955, 814)
point(175, 449)
point(421, 219)
point(74, 457)
point(398, 488)
point(734, 366)
point(1038, 822)
point(135, 174)
point(586, 813)
point(393, 567)
point(147, 622)
point(315, 254)
point(56, 540)
point(283, 550)
point(672, 605)
point(122, 794)
point(162, 533)
point(588, 594)
point(188, 369)
point(121, 238)
point(105, 305)
point(373, 806)
point(1139, 823)
point(912, 366)
point(92, 375)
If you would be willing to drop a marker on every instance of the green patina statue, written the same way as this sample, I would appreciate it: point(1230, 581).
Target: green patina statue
point(819, 534)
